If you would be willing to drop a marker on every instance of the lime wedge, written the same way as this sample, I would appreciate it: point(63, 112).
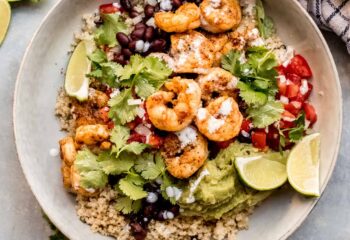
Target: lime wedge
point(5, 17)
point(303, 166)
point(261, 172)
point(77, 84)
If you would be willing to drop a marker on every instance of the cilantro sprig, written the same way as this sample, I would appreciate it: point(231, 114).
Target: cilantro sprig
point(265, 23)
point(257, 85)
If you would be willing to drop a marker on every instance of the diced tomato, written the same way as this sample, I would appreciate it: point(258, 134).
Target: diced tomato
point(294, 78)
point(310, 113)
point(293, 107)
point(135, 137)
point(155, 141)
point(259, 139)
point(133, 124)
point(281, 70)
point(299, 66)
point(292, 91)
point(246, 125)
point(110, 125)
point(288, 116)
point(286, 124)
point(282, 87)
point(224, 144)
point(108, 8)
point(103, 114)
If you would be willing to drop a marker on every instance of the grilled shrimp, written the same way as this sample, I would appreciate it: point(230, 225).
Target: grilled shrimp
point(220, 15)
point(185, 152)
point(186, 17)
point(68, 150)
point(219, 41)
point(91, 134)
point(221, 120)
point(217, 81)
point(191, 52)
point(174, 108)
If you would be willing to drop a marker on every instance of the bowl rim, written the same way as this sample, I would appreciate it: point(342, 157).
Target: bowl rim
point(50, 213)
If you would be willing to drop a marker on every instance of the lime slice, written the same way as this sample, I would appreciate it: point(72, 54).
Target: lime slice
point(77, 84)
point(303, 166)
point(261, 172)
point(5, 17)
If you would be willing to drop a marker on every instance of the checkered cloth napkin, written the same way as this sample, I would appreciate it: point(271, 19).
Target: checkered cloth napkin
point(333, 15)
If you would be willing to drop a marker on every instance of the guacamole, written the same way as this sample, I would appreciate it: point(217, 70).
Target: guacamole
point(216, 189)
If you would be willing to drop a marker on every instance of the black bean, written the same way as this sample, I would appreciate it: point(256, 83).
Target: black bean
point(149, 11)
point(160, 216)
point(149, 210)
point(123, 39)
point(119, 58)
point(140, 236)
point(126, 52)
point(138, 33)
point(126, 4)
point(177, 3)
point(136, 227)
point(149, 34)
point(175, 209)
point(156, 8)
point(158, 45)
point(140, 25)
point(198, 2)
point(133, 14)
point(132, 45)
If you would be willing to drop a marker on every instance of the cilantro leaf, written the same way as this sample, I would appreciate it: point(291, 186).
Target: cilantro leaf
point(267, 114)
point(117, 166)
point(119, 136)
point(120, 111)
point(132, 186)
point(127, 206)
point(231, 63)
point(156, 71)
point(134, 147)
point(297, 133)
point(150, 166)
point(98, 56)
point(93, 179)
point(250, 96)
point(143, 88)
point(265, 24)
point(167, 181)
point(112, 24)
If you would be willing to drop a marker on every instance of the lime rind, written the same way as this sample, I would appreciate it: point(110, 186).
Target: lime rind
point(261, 173)
point(76, 82)
point(303, 166)
point(5, 13)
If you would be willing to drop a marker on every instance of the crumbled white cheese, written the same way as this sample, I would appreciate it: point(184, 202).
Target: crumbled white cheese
point(197, 46)
point(288, 119)
point(191, 88)
point(170, 191)
point(253, 34)
point(134, 102)
point(242, 58)
point(304, 88)
point(201, 114)
point(215, 3)
point(187, 136)
point(150, 22)
point(287, 56)
point(214, 124)
point(177, 193)
point(152, 197)
point(233, 83)
point(307, 124)
point(296, 104)
point(195, 184)
point(139, 45)
point(117, 5)
point(166, 5)
point(226, 107)
point(152, 2)
point(146, 47)
point(53, 152)
point(245, 134)
point(257, 42)
point(169, 215)
point(284, 100)
point(182, 58)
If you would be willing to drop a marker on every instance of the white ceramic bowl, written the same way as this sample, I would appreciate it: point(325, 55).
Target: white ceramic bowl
point(37, 129)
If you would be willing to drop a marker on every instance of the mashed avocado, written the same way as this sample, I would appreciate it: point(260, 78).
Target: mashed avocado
point(216, 189)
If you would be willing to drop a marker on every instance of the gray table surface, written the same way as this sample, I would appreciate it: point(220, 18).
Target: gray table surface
point(20, 214)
